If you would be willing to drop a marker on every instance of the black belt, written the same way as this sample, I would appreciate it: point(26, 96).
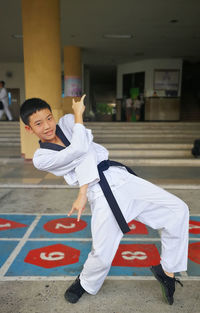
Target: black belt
point(103, 166)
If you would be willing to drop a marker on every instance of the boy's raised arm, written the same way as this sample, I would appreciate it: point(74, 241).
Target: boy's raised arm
point(67, 159)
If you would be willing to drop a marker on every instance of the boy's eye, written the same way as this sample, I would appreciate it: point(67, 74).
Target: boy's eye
point(38, 124)
point(50, 117)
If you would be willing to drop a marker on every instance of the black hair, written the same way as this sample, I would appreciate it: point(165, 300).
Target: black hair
point(2, 82)
point(31, 106)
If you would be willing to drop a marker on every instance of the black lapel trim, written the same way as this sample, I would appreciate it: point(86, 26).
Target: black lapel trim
point(54, 146)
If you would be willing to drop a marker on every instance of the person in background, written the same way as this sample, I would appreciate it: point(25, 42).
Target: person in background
point(129, 109)
point(4, 100)
point(137, 107)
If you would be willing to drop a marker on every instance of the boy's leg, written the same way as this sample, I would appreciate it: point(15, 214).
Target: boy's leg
point(159, 209)
point(106, 236)
point(173, 221)
point(171, 216)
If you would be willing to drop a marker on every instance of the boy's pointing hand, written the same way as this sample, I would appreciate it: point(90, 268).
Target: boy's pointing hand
point(78, 107)
point(79, 205)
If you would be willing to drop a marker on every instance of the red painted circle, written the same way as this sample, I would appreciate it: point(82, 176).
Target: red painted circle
point(194, 252)
point(64, 225)
point(136, 255)
point(194, 227)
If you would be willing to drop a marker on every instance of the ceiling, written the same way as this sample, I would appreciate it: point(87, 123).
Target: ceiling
point(83, 23)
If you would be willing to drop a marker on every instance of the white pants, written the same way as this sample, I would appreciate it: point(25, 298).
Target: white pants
point(7, 111)
point(144, 202)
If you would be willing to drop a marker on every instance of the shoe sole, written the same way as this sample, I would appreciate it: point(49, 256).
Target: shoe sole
point(164, 289)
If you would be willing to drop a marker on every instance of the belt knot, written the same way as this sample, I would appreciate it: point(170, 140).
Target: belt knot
point(104, 165)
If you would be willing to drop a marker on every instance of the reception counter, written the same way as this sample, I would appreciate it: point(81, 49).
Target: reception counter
point(162, 109)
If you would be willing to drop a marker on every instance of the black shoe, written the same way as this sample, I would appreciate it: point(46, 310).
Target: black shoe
point(167, 283)
point(74, 292)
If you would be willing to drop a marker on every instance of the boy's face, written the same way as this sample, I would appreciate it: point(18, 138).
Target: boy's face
point(43, 125)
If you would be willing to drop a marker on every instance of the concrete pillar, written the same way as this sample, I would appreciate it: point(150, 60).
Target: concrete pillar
point(72, 76)
point(42, 60)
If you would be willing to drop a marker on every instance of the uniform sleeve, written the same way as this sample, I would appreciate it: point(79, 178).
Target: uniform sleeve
point(62, 162)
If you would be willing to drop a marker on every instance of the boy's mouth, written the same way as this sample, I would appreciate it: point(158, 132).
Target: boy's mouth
point(49, 133)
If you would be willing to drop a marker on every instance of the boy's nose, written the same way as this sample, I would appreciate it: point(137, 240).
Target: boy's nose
point(46, 125)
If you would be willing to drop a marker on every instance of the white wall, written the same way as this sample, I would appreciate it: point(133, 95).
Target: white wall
point(17, 79)
point(147, 66)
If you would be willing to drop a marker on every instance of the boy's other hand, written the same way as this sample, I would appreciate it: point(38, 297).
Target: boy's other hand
point(78, 106)
point(79, 205)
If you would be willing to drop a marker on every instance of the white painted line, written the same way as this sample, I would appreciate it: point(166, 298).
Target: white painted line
point(71, 278)
point(90, 239)
point(41, 214)
point(60, 213)
point(10, 239)
point(57, 186)
point(18, 248)
point(33, 186)
point(180, 186)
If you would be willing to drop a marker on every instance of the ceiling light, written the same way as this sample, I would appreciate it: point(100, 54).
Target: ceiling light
point(17, 36)
point(117, 36)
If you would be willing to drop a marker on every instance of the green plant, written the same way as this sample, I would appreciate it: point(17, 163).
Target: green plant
point(103, 108)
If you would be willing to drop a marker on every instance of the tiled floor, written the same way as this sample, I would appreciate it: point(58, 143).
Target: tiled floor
point(55, 246)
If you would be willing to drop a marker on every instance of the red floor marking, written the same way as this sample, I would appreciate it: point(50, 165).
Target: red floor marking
point(137, 228)
point(7, 224)
point(64, 225)
point(136, 255)
point(194, 227)
point(194, 252)
point(53, 256)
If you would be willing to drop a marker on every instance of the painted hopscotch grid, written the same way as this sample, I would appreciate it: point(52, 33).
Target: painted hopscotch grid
point(55, 247)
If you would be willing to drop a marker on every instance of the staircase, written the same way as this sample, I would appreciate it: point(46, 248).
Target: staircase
point(10, 142)
point(158, 144)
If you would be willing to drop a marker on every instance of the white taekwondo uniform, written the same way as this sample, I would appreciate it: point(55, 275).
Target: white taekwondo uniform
point(4, 100)
point(137, 198)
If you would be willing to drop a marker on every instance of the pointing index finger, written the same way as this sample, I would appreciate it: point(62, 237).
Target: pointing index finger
point(83, 97)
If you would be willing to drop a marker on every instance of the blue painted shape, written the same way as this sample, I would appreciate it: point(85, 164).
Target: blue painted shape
point(16, 232)
point(20, 268)
point(197, 219)
point(40, 232)
point(6, 247)
point(193, 268)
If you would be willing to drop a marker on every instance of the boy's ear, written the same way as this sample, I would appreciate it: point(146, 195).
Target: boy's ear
point(28, 129)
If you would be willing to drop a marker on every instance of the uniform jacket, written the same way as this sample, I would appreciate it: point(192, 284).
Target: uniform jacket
point(77, 163)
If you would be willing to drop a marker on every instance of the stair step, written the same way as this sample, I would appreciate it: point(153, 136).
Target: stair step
point(150, 154)
point(146, 146)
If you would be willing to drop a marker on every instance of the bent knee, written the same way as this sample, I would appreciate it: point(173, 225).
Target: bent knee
point(183, 210)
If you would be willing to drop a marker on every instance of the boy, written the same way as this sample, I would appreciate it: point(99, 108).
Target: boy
point(115, 195)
